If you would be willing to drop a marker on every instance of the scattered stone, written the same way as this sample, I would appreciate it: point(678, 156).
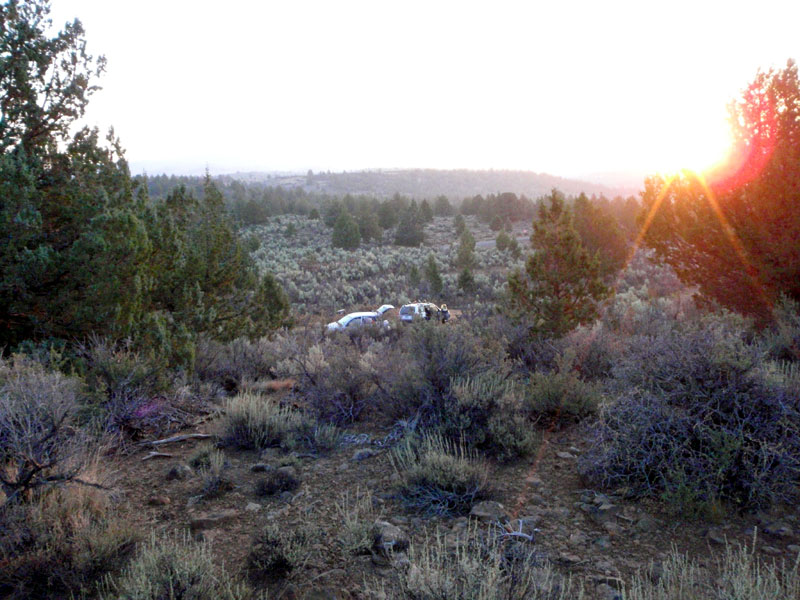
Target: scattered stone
point(288, 470)
point(388, 539)
point(159, 500)
point(574, 450)
point(286, 497)
point(252, 507)
point(363, 454)
point(602, 543)
point(771, 550)
point(194, 500)
point(489, 510)
point(179, 472)
point(566, 455)
point(715, 536)
point(793, 549)
point(212, 520)
point(647, 524)
point(578, 539)
point(261, 468)
point(569, 559)
point(779, 530)
point(534, 481)
point(606, 592)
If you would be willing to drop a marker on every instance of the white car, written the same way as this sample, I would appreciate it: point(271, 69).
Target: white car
point(357, 319)
point(417, 310)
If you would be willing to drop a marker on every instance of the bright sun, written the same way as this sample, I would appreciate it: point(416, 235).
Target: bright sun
point(694, 144)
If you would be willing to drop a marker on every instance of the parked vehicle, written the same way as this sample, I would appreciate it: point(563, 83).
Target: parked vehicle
point(355, 319)
point(417, 311)
point(358, 319)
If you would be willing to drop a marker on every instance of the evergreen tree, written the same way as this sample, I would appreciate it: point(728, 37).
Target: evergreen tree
point(414, 278)
point(600, 234)
point(426, 212)
point(345, 233)
point(459, 224)
point(368, 225)
point(734, 233)
point(502, 241)
point(410, 231)
point(561, 285)
point(466, 281)
point(387, 215)
point(432, 276)
point(442, 207)
point(465, 258)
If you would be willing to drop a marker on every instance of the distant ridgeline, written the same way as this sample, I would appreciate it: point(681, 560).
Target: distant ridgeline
point(413, 183)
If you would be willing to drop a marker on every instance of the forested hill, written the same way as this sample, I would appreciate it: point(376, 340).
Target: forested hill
point(428, 183)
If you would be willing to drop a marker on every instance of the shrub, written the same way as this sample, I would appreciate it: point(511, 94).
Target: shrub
point(276, 482)
point(255, 422)
point(174, 568)
point(739, 443)
point(783, 338)
point(40, 442)
point(438, 476)
point(428, 358)
point(229, 365)
point(486, 412)
point(481, 567)
point(275, 554)
point(356, 514)
point(126, 386)
point(560, 397)
point(62, 543)
point(741, 575)
point(214, 481)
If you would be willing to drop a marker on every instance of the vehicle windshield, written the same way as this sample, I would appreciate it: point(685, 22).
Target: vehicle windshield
point(407, 309)
point(344, 320)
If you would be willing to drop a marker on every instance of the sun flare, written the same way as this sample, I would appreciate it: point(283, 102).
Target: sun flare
point(698, 145)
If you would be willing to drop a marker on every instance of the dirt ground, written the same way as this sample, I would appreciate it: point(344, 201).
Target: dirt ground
point(591, 536)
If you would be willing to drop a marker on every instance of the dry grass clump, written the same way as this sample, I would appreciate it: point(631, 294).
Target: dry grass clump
point(61, 543)
point(439, 476)
point(173, 568)
point(256, 422)
point(356, 514)
point(276, 554)
point(483, 567)
point(215, 483)
point(741, 575)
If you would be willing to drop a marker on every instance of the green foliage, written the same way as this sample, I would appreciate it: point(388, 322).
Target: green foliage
point(497, 223)
point(466, 281)
point(357, 514)
point(368, 226)
point(438, 476)
point(560, 397)
point(345, 233)
point(502, 241)
point(442, 207)
point(432, 276)
point(314, 214)
point(414, 278)
point(275, 482)
point(257, 422)
point(410, 230)
point(734, 234)
point(560, 286)
point(426, 212)
point(174, 568)
point(459, 224)
point(600, 234)
point(465, 259)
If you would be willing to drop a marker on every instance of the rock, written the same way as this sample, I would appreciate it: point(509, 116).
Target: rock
point(363, 454)
point(194, 500)
point(605, 592)
point(179, 472)
point(779, 530)
point(388, 539)
point(261, 468)
point(289, 471)
point(489, 510)
point(212, 520)
point(715, 536)
point(534, 481)
point(578, 539)
point(771, 550)
point(793, 549)
point(647, 524)
point(252, 507)
point(286, 497)
point(569, 559)
point(602, 543)
point(565, 455)
point(159, 500)
point(600, 514)
point(268, 454)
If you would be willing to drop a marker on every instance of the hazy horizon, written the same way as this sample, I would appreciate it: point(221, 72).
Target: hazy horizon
point(573, 90)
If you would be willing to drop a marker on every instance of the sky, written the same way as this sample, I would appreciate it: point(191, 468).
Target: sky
point(570, 88)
